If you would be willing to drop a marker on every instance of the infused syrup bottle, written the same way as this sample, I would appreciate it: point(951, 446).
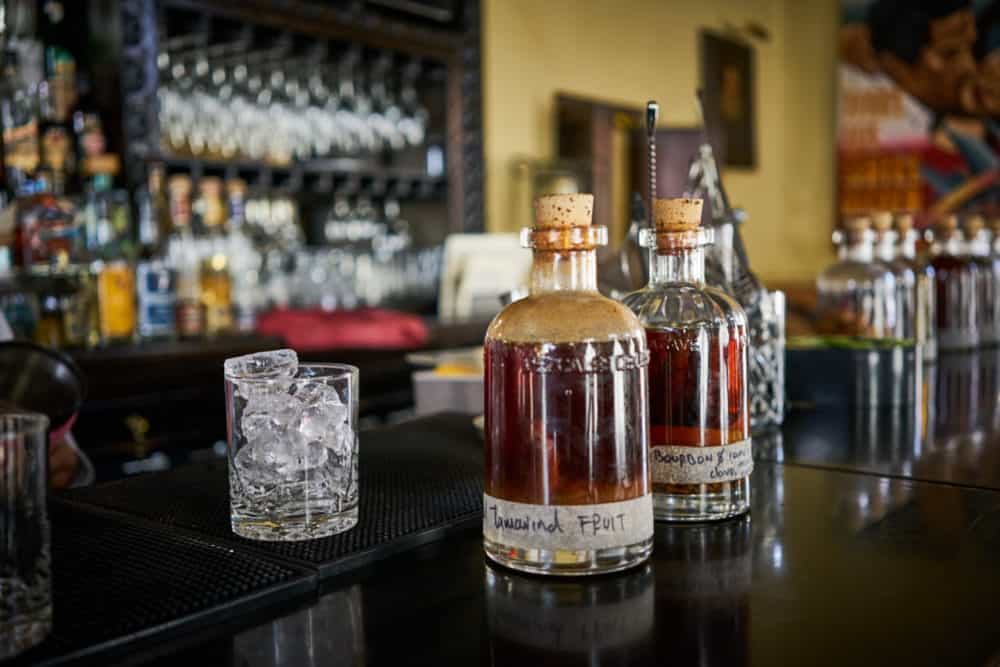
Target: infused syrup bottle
point(956, 279)
point(926, 298)
point(700, 451)
point(567, 477)
point(977, 243)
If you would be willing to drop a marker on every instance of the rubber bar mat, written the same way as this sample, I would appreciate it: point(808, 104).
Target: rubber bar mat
point(116, 580)
point(417, 480)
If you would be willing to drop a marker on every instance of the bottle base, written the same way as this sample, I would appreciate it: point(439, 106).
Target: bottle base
point(704, 506)
point(560, 562)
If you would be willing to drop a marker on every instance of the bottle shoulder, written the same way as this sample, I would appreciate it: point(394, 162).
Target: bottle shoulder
point(564, 317)
point(684, 306)
point(854, 272)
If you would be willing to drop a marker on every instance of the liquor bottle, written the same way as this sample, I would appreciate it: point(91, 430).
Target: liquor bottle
point(214, 279)
point(114, 270)
point(925, 305)
point(912, 286)
point(956, 280)
point(566, 483)
point(700, 457)
point(19, 116)
point(856, 296)
point(155, 284)
point(977, 242)
point(245, 262)
point(995, 270)
point(182, 253)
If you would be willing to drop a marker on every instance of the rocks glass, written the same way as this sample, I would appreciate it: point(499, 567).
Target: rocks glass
point(293, 447)
point(25, 572)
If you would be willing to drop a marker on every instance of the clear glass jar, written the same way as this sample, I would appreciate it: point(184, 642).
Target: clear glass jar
point(924, 296)
point(977, 243)
point(567, 472)
point(700, 455)
point(856, 296)
point(956, 280)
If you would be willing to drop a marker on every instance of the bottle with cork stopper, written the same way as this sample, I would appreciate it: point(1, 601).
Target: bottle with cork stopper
point(995, 266)
point(977, 244)
point(955, 280)
point(700, 454)
point(566, 455)
point(856, 296)
point(915, 285)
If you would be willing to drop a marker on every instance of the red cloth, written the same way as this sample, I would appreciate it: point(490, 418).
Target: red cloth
point(372, 328)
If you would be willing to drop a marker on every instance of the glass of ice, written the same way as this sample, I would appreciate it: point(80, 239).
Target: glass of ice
point(293, 446)
point(25, 572)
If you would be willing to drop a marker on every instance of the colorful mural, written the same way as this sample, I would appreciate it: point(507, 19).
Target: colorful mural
point(919, 107)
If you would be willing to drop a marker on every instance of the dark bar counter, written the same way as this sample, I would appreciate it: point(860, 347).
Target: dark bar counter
point(873, 539)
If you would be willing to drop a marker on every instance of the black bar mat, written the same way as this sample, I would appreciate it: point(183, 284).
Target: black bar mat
point(418, 481)
point(117, 580)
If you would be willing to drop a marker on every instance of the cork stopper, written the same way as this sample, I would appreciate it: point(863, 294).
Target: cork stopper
point(858, 225)
point(677, 215)
point(236, 187)
point(179, 185)
point(210, 186)
point(563, 211)
point(995, 225)
point(947, 224)
point(882, 222)
point(973, 225)
point(904, 223)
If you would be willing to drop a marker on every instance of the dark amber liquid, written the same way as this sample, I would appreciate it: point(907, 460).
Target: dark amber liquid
point(560, 433)
point(955, 284)
point(688, 403)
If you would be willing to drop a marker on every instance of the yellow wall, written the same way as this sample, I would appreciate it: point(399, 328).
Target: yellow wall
point(630, 51)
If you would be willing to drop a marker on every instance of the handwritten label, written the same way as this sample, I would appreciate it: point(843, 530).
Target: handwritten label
point(700, 465)
point(567, 527)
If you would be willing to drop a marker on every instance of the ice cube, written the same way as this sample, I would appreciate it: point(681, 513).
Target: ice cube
point(303, 459)
point(312, 392)
point(340, 440)
point(262, 365)
point(261, 430)
point(316, 422)
point(256, 472)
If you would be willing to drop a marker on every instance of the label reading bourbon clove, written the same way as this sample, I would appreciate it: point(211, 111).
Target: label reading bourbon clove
point(700, 465)
point(567, 527)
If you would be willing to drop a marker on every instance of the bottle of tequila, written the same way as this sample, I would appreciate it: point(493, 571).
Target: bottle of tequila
point(182, 256)
point(700, 454)
point(567, 482)
point(956, 280)
point(155, 283)
point(214, 279)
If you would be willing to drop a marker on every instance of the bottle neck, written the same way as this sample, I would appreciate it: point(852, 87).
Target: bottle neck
point(679, 265)
point(948, 245)
point(564, 270)
point(885, 249)
point(907, 247)
point(857, 251)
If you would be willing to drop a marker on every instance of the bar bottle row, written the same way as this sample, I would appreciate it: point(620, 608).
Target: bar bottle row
point(603, 416)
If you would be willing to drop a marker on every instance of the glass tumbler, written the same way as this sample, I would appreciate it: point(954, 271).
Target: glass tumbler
point(293, 452)
point(25, 573)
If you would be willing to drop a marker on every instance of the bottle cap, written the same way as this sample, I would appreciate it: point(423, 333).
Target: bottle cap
point(210, 186)
point(563, 211)
point(859, 224)
point(236, 186)
point(995, 225)
point(179, 185)
point(677, 215)
point(947, 224)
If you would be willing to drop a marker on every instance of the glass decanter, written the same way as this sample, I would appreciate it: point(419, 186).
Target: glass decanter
point(977, 242)
point(700, 455)
point(955, 279)
point(856, 296)
point(567, 471)
point(926, 298)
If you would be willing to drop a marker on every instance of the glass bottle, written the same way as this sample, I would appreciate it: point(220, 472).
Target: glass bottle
point(925, 305)
point(215, 282)
point(182, 257)
point(955, 281)
point(155, 282)
point(700, 456)
point(244, 260)
point(995, 270)
point(567, 481)
point(19, 116)
point(856, 296)
point(977, 243)
point(116, 311)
